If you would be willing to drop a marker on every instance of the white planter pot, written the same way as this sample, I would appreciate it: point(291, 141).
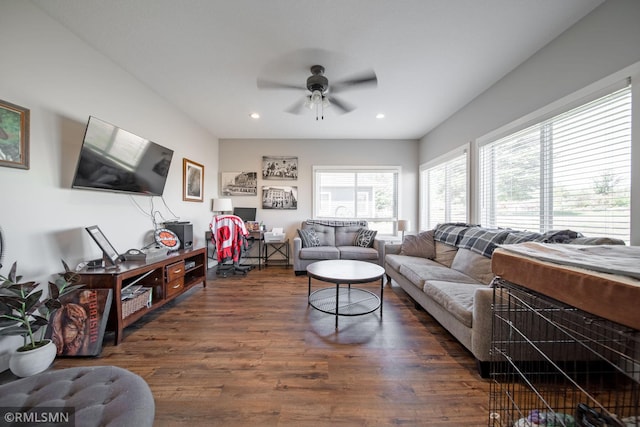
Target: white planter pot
point(31, 362)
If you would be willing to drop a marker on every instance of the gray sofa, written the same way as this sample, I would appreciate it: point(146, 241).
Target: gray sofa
point(447, 272)
point(325, 240)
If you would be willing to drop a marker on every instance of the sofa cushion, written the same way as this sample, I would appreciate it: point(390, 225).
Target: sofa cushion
point(419, 273)
point(397, 260)
point(473, 265)
point(346, 235)
point(455, 297)
point(326, 233)
point(445, 253)
point(320, 253)
point(309, 238)
point(420, 245)
point(482, 241)
point(365, 238)
point(358, 253)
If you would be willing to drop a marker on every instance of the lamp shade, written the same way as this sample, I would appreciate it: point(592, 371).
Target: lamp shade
point(222, 205)
point(403, 225)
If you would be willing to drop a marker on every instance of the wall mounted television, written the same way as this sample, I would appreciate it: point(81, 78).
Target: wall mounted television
point(113, 159)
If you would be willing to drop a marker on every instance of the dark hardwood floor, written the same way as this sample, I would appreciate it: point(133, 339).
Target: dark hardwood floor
point(249, 351)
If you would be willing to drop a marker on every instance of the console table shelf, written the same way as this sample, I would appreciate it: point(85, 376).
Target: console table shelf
point(167, 277)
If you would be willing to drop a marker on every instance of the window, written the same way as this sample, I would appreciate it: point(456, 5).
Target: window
point(444, 189)
point(571, 171)
point(368, 193)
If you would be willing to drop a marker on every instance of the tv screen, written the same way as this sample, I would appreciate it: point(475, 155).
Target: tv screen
point(112, 159)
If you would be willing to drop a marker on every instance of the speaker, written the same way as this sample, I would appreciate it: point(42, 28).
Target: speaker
point(184, 231)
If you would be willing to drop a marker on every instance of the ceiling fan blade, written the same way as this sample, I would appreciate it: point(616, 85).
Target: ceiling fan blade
point(365, 79)
point(341, 105)
point(297, 107)
point(267, 84)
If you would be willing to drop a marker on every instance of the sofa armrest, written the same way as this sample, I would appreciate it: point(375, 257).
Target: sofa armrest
point(297, 246)
point(380, 246)
point(482, 330)
point(393, 248)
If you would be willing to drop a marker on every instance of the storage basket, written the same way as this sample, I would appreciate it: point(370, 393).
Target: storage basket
point(138, 302)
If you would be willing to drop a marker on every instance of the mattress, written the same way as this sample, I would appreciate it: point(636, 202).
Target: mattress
point(602, 280)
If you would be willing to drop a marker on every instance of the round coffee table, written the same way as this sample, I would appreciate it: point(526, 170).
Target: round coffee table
point(345, 301)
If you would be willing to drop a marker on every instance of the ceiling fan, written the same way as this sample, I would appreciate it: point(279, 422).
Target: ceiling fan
point(319, 93)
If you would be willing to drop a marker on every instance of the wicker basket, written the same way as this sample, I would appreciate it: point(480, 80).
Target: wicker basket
point(140, 301)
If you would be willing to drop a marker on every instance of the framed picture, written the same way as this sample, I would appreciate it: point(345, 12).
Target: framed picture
point(77, 327)
point(280, 167)
point(279, 197)
point(14, 136)
point(109, 252)
point(239, 183)
point(192, 181)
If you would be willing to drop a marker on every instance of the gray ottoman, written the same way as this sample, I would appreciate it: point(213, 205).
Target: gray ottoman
point(99, 395)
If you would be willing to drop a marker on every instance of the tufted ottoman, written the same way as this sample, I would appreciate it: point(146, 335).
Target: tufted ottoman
point(99, 395)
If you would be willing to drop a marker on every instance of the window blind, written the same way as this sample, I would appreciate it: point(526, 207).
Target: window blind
point(571, 171)
point(444, 191)
point(363, 193)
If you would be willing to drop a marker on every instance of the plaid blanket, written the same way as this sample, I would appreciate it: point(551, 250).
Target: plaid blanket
point(338, 223)
point(483, 241)
point(451, 233)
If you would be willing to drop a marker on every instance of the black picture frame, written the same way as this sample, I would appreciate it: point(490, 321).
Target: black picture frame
point(109, 252)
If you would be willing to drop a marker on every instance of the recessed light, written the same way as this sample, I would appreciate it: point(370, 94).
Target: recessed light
point(380, 116)
point(254, 115)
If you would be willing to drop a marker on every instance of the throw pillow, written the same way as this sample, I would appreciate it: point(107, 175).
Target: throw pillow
point(420, 245)
point(365, 238)
point(309, 238)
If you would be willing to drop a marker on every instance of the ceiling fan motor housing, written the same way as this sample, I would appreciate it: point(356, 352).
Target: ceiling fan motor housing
point(317, 81)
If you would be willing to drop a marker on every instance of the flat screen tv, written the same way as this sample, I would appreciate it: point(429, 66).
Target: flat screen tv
point(113, 159)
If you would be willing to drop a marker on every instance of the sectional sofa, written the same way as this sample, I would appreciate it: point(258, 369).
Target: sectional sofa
point(447, 272)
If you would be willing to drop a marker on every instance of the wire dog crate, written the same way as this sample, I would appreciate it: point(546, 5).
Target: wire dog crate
point(556, 365)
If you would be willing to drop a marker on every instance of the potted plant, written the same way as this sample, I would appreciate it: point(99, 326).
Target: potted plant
point(24, 312)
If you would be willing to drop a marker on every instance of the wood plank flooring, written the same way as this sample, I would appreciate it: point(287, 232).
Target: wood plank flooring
point(249, 351)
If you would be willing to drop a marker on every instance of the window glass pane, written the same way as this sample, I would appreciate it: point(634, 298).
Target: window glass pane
point(358, 193)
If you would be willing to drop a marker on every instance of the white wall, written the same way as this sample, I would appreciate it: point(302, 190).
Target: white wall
point(62, 80)
point(600, 45)
point(246, 156)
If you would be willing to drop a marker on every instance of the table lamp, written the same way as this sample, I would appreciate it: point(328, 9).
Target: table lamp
point(221, 206)
point(403, 225)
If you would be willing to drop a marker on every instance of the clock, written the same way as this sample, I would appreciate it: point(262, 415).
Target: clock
point(167, 238)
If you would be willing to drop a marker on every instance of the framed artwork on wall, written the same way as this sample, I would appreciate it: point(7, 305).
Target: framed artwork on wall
point(192, 181)
point(280, 167)
point(14, 136)
point(239, 183)
point(279, 197)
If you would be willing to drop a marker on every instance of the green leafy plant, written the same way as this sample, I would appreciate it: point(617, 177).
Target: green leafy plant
point(24, 311)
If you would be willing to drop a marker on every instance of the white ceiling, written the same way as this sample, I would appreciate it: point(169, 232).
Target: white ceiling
point(431, 57)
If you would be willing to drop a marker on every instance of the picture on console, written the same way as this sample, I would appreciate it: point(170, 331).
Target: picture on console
point(274, 197)
point(77, 328)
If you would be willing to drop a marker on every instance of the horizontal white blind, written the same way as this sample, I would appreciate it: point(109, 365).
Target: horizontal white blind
point(571, 171)
point(445, 192)
point(358, 193)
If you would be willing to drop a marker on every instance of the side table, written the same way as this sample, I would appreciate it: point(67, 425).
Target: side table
point(280, 249)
